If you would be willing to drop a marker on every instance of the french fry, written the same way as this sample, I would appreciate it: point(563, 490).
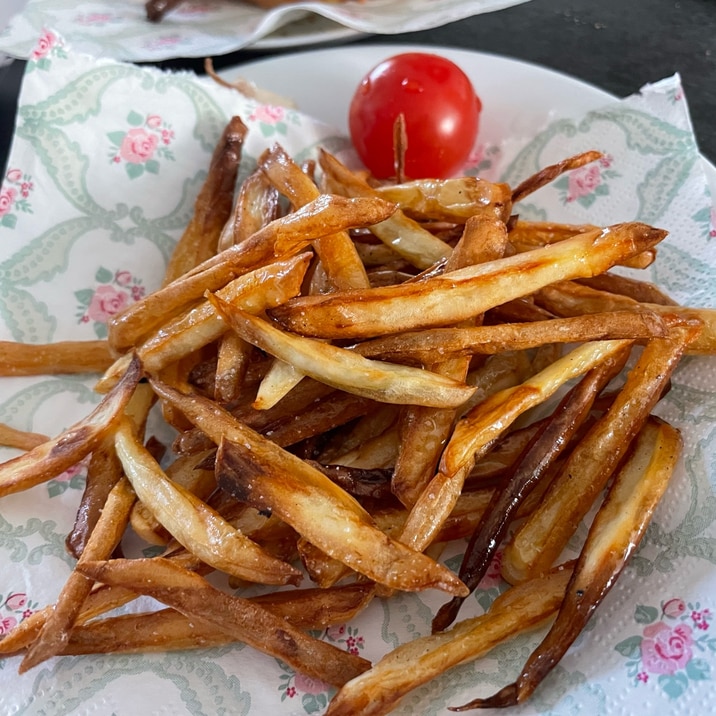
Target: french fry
point(170, 630)
point(541, 538)
point(213, 205)
point(193, 523)
point(405, 236)
point(550, 173)
point(551, 439)
point(20, 439)
point(105, 536)
point(615, 533)
point(343, 369)
point(362, 546)
point(286, 235)
point(465, 293)
point(56, 455)
point(518, 610)
point(242, 619)
point(419, 346)
point(53, 358)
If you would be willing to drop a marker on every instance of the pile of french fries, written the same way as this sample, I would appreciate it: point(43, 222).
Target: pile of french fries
point(359, 373)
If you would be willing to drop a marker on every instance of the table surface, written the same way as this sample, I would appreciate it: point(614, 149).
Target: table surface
point(616, 45)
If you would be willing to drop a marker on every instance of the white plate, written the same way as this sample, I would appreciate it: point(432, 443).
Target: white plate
point(516, 96)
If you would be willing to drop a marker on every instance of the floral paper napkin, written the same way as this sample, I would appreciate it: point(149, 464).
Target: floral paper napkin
point(106, 162)
point(199, 28)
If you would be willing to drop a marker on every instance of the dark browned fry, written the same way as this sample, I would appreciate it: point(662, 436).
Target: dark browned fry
point(157, 9)
point(615, 533)
point(549, 174)
point(539, 455)
point(242, 619)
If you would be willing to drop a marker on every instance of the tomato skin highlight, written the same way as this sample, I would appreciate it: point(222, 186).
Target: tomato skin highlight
point(440, 108)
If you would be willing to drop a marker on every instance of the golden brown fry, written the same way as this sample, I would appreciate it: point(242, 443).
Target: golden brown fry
point(641, 291)
point(74, 444)
point(287, 235)
point(455, 199)
point(551, 439)
point(325, 515)
point(105, 537)
point(420, 346)
point(540, 539)
point(20, 439)
point(193, 523)
point(339, 258)
point(550, 173)
point(343, 369)
point(170, 630)
point(462, 294)
point(405, 236)
point(242, 619)
point(255, 291)
point(568, 298)
point(212, 208)
point(518, 610)
point(54, 358)
point(615, 533)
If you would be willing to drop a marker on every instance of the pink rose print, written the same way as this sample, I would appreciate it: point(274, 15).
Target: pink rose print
point(44, 45)
point(14, 194)
point(140, 148)
point(272, 119)
point(586, 184)
point(309, 685)
point(6, 624)
point(16, 601)
point(665, 650)
point(583, 181)
point(115, 291)
point(95, 19)
point(7, 199)
point(671, 647)
point(48, 46)
point(13, 609)
point(105, 303)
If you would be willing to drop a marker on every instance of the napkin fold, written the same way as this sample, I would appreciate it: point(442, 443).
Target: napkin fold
point(105, 164)
point(200, 28)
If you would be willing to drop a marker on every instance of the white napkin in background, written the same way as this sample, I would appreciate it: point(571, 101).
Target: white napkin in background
point(200, 28)
point(104, 167)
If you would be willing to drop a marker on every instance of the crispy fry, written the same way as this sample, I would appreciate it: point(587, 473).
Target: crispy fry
point(169, 630)
point(213, 205)
point(20, 439)
point(550, 173)
point(520, 609)
point(74, 444)
point(615, 533)
point(193, 523)
point(286, 235)
point(343, 369)
point(405, 236)
point(538, 456)
point(462, 294)
point(242, 619)
point(105, 536)
point(539, 541)
point(54, 358)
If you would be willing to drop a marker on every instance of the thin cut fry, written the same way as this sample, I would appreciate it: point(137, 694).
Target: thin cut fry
point(20, 439)
point(54, 358)
point(242, 619)
point(613, 536)
point(343, 369)
point(74, 444)
point(462, 294)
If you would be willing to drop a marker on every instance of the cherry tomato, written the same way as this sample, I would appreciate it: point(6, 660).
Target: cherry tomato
point(441, 113)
